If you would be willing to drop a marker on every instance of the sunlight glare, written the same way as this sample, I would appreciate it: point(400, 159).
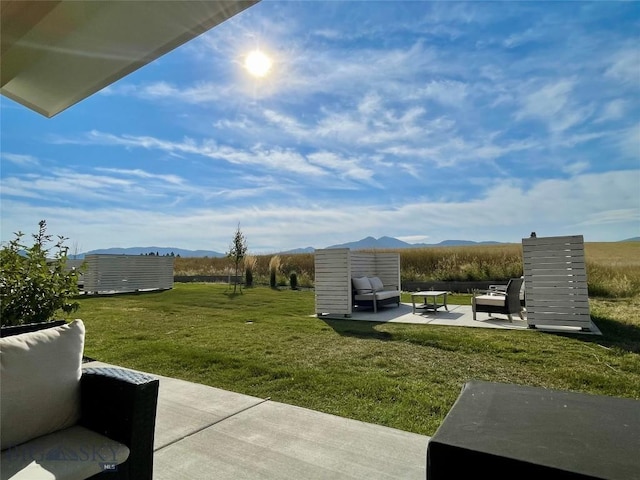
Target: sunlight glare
point(257, 63)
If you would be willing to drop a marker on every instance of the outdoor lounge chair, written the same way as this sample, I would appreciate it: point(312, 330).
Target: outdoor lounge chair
point(60, 420)
point(495, 301)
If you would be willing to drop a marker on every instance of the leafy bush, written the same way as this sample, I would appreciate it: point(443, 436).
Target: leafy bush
point(34, 287)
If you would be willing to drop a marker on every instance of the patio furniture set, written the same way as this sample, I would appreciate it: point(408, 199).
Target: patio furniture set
point(551, 293)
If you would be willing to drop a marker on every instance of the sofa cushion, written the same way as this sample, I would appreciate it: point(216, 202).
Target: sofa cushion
point(40, 374)
point(362, 285)
point(74, 453)
point(492, 300)
point(383, 295)
point(376, 283)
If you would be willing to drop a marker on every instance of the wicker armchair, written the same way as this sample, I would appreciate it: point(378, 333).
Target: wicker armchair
point(121, 405)
point(496, 301)
point(118, 404)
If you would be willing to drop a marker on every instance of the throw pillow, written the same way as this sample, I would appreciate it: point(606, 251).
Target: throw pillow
point(376, 283)
point(40, 374)
point(362, 285)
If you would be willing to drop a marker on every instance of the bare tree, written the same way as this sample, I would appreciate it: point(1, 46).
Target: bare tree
point(75, 249)
point(237, 252)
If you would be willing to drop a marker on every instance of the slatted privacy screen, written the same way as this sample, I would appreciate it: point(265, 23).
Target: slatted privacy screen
point(556, 282)
point(127, 273)
point(387, 268)
point(333, 281)
point(334, 268)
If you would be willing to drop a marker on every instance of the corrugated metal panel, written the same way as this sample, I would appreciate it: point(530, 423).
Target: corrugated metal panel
point(127, 273)
point(556, 281)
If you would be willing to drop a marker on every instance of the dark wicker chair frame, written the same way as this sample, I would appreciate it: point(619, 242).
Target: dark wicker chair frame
point(512, 303)
point(119, 404)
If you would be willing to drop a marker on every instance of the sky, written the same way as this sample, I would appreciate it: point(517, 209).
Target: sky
point(424, 121)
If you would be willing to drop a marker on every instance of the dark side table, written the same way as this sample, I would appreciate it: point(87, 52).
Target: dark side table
point(507, 431)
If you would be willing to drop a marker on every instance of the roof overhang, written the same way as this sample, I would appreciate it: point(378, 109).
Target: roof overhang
point(56, 53)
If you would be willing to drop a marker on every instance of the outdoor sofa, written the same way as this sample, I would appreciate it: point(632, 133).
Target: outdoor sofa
point(371, 292)
point(65, 422)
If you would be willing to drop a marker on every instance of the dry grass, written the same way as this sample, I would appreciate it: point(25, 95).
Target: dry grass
point(613, 268)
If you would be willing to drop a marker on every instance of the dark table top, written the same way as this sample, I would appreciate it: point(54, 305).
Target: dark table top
point(592, 436)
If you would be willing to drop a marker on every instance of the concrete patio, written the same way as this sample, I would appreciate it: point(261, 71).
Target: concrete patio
point(208, 433)
point(456, 316)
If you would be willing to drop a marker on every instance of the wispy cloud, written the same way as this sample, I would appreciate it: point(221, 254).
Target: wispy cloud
point(20, 159)
point(507, 210)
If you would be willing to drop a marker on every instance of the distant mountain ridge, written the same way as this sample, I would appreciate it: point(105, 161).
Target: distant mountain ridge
point(390, 242)
point(162, 251)
point(363, 244)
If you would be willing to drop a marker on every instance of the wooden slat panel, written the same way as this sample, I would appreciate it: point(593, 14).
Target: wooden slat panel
point(555, 242)
point(333, 281)
point(556, 281)
point(562, 309)
point(388, 269)
point(127, 273)
point(534, 292)
point(544, 253)
point(554, 266)
point(552, 306)
point(543, 277)
point(563, 319)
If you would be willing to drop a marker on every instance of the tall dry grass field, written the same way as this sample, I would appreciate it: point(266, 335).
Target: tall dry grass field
point(613, 268)
point(302, 264)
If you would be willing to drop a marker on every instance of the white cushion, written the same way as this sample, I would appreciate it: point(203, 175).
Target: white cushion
point(73, 454)
point(362, 285)
point(40, 390)
point(376, 283)
point(493, 300)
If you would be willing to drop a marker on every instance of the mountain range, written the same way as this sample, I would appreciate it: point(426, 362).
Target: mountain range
point(365, 243)
point(162, 251)
point(390, 242)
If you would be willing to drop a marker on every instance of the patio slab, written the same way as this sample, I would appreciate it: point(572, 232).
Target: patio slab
point(277, 441)
point(204, 432)
point(457, 316)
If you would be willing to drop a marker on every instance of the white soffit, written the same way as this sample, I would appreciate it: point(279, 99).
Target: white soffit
point(56, 53)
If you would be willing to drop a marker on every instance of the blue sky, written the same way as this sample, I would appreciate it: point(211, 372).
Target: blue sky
point(425, 121)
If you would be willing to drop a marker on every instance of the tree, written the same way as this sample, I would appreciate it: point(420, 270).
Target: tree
point(33, 285)
point(237, 251)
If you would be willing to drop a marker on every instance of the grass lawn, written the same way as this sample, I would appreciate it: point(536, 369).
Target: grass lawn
point(266, 343)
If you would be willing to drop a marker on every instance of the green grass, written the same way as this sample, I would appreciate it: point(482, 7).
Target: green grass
point(266, 343)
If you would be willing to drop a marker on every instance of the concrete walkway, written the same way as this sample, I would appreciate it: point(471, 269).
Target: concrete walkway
point(456, 316)
point(208, 433)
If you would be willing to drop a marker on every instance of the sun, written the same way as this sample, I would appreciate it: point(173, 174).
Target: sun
point(257, 63)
